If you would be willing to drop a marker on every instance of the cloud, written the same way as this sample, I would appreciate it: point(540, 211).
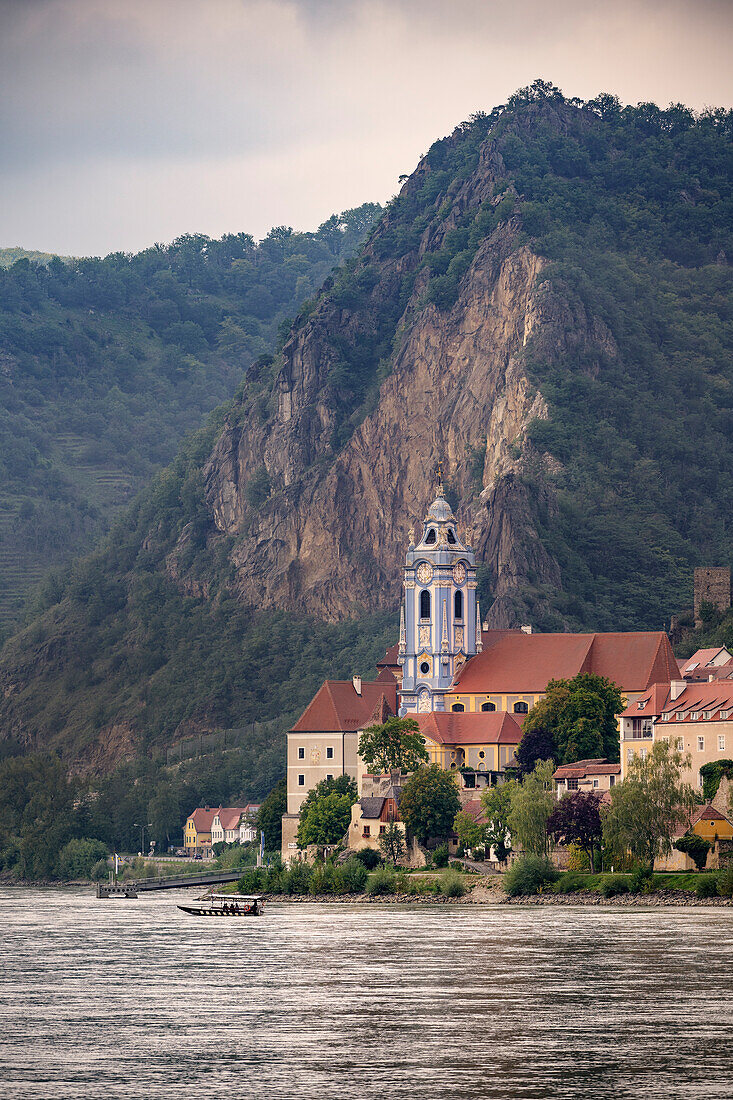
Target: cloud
point(127, 121)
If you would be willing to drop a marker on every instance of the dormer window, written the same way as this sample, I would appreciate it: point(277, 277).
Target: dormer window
point(451, 536)
point(430, 537)
point(641, 704)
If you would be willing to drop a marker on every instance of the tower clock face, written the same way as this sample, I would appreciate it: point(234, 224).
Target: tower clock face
point(424, 573)
point(459, 573)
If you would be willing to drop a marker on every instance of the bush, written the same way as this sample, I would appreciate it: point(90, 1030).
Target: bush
point(78, 857)
point(297, 880)
point(528, 876)
point(725, 883)
point(369, 857)
point(696, 847)
point(253, 881)
point(452, 884)
point(640, 881)
point(440, 856)
point(707, 886)
point(402, 883)
point(381, 882)
point(569, 883)
point(321, 880)
point(479, 854)
point(614, 885)
point(351, 877)
point(100, 870)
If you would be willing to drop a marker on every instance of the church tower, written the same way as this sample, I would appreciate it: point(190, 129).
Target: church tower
point(440, 626)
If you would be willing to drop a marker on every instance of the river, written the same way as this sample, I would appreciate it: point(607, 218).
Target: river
point(135, 999)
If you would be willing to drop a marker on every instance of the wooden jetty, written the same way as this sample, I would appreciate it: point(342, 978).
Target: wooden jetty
point(134, 887)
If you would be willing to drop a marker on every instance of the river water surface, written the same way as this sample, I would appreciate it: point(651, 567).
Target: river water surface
point(136, 999)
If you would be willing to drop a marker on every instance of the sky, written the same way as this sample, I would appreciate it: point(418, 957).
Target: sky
point(129, 122)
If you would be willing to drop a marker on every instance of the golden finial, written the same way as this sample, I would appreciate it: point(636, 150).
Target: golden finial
point(439, 475)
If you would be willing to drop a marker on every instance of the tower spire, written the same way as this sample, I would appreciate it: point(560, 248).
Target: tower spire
point(439, 479)
point(479, 639)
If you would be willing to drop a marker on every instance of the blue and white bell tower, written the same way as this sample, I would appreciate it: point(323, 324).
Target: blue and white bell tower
point(440, 627)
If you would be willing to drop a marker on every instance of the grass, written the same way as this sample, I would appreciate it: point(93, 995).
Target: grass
point(670, 880)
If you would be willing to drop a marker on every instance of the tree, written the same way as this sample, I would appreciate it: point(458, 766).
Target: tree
point(496, 803)
point(578, 717)
point(79, 855)
point(270, 815)
point(576, 820)
point(429, 803)
point(325, 821)
point(537, 744)
point(395, 744)
point(697, 847)
point(531, 803)
point(470, 831)
point(392, 843)
point(342, 784)
point(650, 805)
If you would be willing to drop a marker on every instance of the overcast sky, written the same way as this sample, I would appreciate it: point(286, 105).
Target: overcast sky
point(125, 122)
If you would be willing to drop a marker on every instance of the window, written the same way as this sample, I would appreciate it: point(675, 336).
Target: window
point(329, 777)
point(424, 605)
point(301, 780)
point(424, 668)
point(701, 744)
point(520, 708)
point(301, 753)
point(642, 754)
point(641, 704)
point(612, 780)
point(680, 744)
point(629, 755)
point(665, 716)
point(430, 537)
point(329, 752)
point(595, 782)
point(482, 755)
point(458, 707)
point(725, 714)
point(367, 830)
point(383, 828)
point(451, 536)
point(699, 780)
point(488, 706)
point(707, 715)
point(695, 715)
point(458, 605)
point(572, 784)
point(721, 742)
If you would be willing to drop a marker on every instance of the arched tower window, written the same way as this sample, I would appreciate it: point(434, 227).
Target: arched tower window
point(430, 537)
point(425, 605)
point(459, 707)
point(458, 605)
point(520, 708)
point(488, 706)
point(451, 535)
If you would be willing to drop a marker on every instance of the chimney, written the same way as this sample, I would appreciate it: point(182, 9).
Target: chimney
point(526, 629)
point(357, 684)
point(676, 688)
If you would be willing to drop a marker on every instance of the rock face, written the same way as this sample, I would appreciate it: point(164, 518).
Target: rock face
point(331, 536)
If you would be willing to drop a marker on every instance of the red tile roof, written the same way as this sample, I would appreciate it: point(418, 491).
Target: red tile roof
point(581, 768)
point(708, 812)
point(390, 658)
point(714, 696)
point(475, 810)
point(700, 659)
point(496, 727)
point(203, 817)
point(337, 707)
point(230, 815)
point(516, 663)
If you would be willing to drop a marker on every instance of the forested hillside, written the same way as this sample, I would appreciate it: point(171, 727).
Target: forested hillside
point(546, 308)
point(106, 364)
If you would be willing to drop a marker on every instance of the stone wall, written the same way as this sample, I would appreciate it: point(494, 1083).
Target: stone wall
point(712, 585)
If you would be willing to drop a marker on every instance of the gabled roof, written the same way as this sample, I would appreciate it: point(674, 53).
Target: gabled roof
point(517, 663)
point(475, 810)
point(708, 812)
point(202, 818)
point(337, 707)
point(371, 807)
point(496, 727)
point(712, 696)
point(390, 658)
point(703, 658)
point(229, 816)
point(581, 768)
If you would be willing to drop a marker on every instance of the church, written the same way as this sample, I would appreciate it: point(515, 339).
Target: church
point(468, 688)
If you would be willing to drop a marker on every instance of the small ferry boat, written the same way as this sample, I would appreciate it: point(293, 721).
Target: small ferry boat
point(226, 905)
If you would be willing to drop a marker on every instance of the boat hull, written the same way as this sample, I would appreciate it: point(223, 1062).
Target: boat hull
point(205, 911)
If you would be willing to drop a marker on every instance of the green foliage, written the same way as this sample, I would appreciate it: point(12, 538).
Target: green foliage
point(529, 875)
point(381, 882)
point(368, 857)
point(569, 882)
point(325, 821)
point(429, 803)
point(469, 831)
point(392, 843)
point(712, 773)
point(108, 363)
point(440, 856)
point(578, 717)
point(452, 884)
point(707, 886)
point(270, 814)
point(530, 805)
point(496, 803)
point(649, 806)
point(351, 877)
point(641, 880)
point(696, 847)
point(395, 744)
point(613, 885)
point(725, 883)
point(79, 855)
